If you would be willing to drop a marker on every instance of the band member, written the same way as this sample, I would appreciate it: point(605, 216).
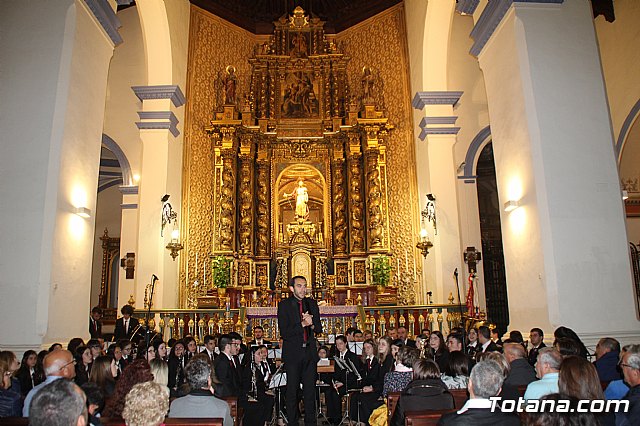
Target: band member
point(342, 380)
point(95, 325)
point(254, 399)
point(127, 325)
point(363, 403)
point(299, 322)
point(258, 337)
point(227, 368)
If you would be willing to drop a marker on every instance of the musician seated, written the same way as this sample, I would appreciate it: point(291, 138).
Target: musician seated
point(227, 367)
point(200, 401)
point(258, 337)
point(257, 404)
point(342, 380)
point(372, 373)
point(425, 392)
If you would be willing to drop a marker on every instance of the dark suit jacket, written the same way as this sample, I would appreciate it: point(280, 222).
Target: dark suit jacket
point(339, 373)
point(533, 353)
point(491, 348)
point(521, 373)
point(480, 417)
point(372, 376)
point(95, 330)
point(229, 377)
point(120, 332)
point(264, 342)
point(292, 332)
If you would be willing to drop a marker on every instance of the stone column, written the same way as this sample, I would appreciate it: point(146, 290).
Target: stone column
point(565, 244)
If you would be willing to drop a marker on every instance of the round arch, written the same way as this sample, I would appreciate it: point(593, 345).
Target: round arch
point(157, 42)
point(111, 145)
point(626, 126)
point(473, 153)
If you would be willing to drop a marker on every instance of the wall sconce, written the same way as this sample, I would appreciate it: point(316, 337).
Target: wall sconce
point(511, 205)
point(174, 246)
point(168, 214)
point(83, 212)
point(424, 244)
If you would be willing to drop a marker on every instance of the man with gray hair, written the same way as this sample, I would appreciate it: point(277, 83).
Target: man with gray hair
point(200, 402)
point(547, 370)
point(485, 382)
point(606, 363)
point(58, 364)
point(630, 365)
point(60, 403)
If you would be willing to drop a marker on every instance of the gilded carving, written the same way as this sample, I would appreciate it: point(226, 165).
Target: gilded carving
point(359, 272)
point(227, 202)
point(246, 213)
point(262, 244)
point(357, 216)
point(243, 273)
point(374, 201)
point(339, 208)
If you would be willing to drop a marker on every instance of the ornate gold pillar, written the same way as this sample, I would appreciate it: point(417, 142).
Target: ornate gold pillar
point(339, 201)
point(356, 207)
point(378, 235)
point(263, 234)
point(245, 207)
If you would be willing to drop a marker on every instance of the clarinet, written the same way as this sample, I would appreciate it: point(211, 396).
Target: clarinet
point(253, 394)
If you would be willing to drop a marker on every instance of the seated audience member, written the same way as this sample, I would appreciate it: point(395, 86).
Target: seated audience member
point(398, 379)
point(28, 374)
point(227, 368)
point(425, 392)
point(200, 401)
point(59, 403)
point(631, 370)
point(145, 405)
point(485, 382)
point(403, 334)
point(547, 369)
point(160, 371)
point(363, 403)
point(456, 374)
point(555, 417)
point(617, 389)
point(508, 391)
point(146, 352)
point(536, 337)
point(395, 347)
point(566, 346)
point(385, 358)
point(10, 395)
point(254, 399)
point(521, 372)
point(95, 402)
point(485, 344)
point(422, 344)
point(55, 347)
point(438, 351)
point(607, 356)
point(103, 374)
point(472, 342)
point(570, 334)
point(58, 364)
point(137, 372)
point(74, 344)
point(578, 378)
point(84, 361)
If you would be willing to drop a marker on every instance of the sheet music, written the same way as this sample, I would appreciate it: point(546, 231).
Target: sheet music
point(278, 379)
point(356, 347)
point(274, 353)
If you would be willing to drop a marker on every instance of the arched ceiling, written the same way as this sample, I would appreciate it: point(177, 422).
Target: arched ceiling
point(257, 16)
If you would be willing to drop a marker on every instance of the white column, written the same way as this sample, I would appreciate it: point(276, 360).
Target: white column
point(54, 72)
point(565, 247)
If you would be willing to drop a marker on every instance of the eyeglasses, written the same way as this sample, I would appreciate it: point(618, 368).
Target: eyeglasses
point(626, 365)
point(73, 361)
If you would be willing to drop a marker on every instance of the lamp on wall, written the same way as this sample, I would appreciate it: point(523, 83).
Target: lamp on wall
point(428, 214)
point(424, 244)
point(83, 212)
point(168, 214)
point(174, 246)
point(511, 205)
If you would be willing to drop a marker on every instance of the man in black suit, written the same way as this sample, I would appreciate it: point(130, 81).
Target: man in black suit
point(126, 326)
point(258, 337)
point(484, 338)
point(535, 337)
point(403, 334)
point(299, 322)
point(210, 347)
point(342, 380)
point(95, 325)
point(227, 367)
point(485, 382)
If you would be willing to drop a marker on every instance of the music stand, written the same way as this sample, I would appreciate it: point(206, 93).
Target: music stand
point(274, 353)
point(356, 347)
point(347, 366)
point(278, 380)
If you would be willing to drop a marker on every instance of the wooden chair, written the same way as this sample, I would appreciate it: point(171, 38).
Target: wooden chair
point(424, 418)
point(236, 411)
point(392, 401)
point(460, 396)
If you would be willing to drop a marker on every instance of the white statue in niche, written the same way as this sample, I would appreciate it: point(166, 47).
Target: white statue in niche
point(301, 194)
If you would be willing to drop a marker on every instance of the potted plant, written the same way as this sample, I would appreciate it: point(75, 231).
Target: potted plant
point(380, 271)
point(221, 273)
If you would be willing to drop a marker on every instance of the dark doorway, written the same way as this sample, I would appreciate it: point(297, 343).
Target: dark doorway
point(492, 255)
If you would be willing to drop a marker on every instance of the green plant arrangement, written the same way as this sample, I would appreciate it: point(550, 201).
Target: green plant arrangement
point(221, 271)
point(381, 270)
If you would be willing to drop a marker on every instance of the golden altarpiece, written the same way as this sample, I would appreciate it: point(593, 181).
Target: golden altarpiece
point(300, 173)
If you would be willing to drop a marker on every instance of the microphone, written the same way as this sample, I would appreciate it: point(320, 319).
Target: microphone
point(155, 278)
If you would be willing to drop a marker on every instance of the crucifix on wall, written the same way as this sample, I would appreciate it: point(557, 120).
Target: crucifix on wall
point(471, 258)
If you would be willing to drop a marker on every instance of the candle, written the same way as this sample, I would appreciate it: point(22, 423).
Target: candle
point(255, 295)
point(348, 294)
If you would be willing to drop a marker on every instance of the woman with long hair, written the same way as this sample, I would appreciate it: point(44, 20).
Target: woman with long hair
point(10, 394)
point(570, 334)
point(438, 351)
point(472, 342)
point(84, 360)
point(103, 374)
point(176, 362)
point(160, 371)
point(456, 373)
point(363, 403)
point(256, 402)
point(578, 378)
point(385, 359)
point(74, 344)
point(137, 372)
point(27, 374)
point(190, 347)
point(160, 348)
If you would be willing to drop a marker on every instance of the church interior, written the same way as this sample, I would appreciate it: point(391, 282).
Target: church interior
point(421, 163)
